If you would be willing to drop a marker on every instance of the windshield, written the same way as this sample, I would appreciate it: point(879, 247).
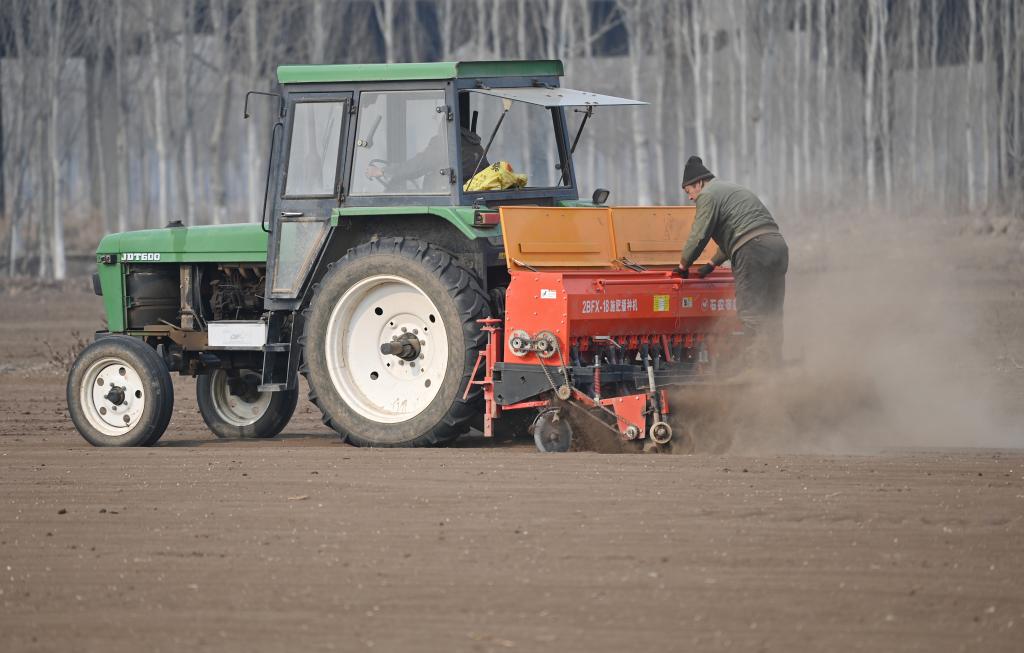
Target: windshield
point(526, 139)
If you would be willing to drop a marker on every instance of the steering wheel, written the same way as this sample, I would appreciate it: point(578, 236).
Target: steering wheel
point(380, 163)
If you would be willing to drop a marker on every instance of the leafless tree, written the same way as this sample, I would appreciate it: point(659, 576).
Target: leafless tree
point(117, 114)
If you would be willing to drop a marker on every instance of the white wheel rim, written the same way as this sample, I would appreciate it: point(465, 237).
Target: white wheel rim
point(382, 387)
point(233, 409)
point(112, 396)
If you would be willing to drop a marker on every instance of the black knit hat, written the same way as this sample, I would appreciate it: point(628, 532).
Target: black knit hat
point(695, 171)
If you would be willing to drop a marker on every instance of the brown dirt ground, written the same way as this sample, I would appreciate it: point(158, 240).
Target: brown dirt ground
point(303, 543)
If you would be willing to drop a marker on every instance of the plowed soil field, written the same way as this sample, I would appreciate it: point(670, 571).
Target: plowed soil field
point(876, 510)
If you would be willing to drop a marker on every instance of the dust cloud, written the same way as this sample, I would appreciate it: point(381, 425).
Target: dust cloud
point(889, 340)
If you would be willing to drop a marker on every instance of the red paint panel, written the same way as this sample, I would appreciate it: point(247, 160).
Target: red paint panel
point(586, 303)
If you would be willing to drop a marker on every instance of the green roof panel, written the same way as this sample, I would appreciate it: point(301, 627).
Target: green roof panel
point(396, 72)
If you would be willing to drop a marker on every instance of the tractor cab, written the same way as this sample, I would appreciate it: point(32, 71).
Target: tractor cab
point(416, 134)
point(389, 149)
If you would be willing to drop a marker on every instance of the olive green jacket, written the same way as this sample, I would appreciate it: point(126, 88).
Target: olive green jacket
point(724, 213)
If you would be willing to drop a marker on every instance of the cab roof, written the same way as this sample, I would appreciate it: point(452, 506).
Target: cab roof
point(397, 72)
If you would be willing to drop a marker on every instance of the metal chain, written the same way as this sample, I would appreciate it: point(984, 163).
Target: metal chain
point(565, 374)
point(547, 374)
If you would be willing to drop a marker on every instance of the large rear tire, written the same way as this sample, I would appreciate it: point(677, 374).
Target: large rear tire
point(395, 290)
point(248, 414)
point(119, 393)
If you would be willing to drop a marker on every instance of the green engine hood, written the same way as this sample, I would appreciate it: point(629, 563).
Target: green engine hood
point(224, 243)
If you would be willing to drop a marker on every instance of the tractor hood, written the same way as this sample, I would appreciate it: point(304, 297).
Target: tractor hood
point(225, 243)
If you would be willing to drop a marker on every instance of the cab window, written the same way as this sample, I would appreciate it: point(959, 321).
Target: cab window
point(313, 153)
point(401, 144)
point(526, 139)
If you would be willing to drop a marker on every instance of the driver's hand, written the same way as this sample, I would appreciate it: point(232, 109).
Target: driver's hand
point(373, 172)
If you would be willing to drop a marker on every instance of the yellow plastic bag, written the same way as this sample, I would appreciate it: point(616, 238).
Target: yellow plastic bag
point(498, 176)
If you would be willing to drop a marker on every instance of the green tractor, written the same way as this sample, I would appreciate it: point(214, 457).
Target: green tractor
point(368, 271)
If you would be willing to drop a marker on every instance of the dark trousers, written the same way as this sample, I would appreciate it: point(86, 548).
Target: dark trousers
point(759, 267)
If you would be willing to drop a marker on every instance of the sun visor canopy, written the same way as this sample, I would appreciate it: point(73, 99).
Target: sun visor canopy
point(558, 97)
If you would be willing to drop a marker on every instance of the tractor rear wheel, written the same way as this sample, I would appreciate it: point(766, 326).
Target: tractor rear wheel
point(120, 393)
point(243, 411)
point(391, 337)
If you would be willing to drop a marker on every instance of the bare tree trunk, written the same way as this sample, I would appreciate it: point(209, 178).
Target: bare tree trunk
point(933, 62)
point(384, 10)
point(526, 150)
point(218, 148)
point(521, 29)
point(767, 55)
point(807, 99)
point(252, 138)
point(885, 112)
point(796, 117)
point(447, 18)
point(145, 174)
point(187, 153)
point(480, 32)
point(822, 88)
point(159, 120)
point(915, 83)
point(121, 138)
point(551, 52)
point(55, 57)
point(741, 46)
point(986, 141)
point(14, 242)
point(634, 22)
point(972, 197)
point(91, 80)
point(46, 205)
point(657, 32)
point(870, 137)
point(1018, 110)
point(4, 144)
point(550, 21)
point(318, 29)
point(497, 14)
point(839, 141)
point(693, 30)
point(707, 36)
point(96, 128)
point(567, 31)
point(588, 56)
point(1006, 30)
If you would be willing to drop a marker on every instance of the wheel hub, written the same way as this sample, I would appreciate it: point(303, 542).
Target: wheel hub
point(551, 432)
point(406, 346)
point(116, 399)
point(238, 400)
point(115, 396)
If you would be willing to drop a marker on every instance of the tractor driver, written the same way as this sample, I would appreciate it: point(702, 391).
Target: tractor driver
point(745, 233)
point(428, 163)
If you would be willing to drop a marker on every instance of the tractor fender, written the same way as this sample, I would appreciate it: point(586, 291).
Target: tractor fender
point(349, 230)
point(460, 217)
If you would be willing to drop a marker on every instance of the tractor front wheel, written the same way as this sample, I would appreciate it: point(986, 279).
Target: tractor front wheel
point(391, 336)
point(120, 393)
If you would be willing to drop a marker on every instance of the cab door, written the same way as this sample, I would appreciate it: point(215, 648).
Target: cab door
point(310, 187)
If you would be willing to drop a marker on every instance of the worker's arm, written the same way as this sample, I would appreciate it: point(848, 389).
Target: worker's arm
point(700, 233)
point(708, 268)
point(427, 161)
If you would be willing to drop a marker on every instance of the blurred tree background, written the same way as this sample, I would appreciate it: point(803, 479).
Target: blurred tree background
point(124, 114)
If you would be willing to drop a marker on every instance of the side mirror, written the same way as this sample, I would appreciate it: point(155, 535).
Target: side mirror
point(600, 196)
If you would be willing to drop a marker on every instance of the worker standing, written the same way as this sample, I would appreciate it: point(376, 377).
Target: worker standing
point(746, 234)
